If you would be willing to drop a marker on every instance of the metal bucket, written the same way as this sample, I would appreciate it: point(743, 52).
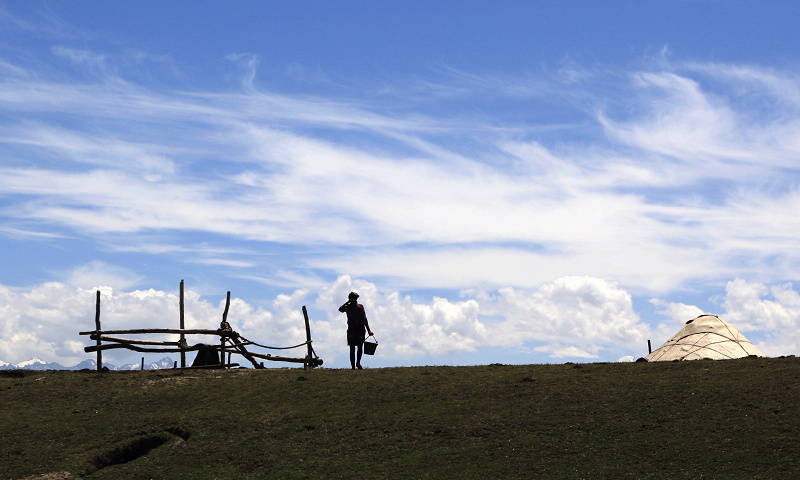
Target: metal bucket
point(369, 347)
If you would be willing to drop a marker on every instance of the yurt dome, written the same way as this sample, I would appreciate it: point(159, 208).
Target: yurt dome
point(706, 336)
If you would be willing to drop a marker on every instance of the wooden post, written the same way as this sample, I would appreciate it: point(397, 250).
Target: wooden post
point(183, 337)
point(308, 338)
point(97, 327)
point(649, 349)
point(222, 352)
point(143, 363)
point(227, 306)
point(224, 324)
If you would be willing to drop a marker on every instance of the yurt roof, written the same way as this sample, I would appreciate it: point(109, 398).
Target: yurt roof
point(706, 336)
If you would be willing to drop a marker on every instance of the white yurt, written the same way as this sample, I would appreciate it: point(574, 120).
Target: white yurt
point(706, 336)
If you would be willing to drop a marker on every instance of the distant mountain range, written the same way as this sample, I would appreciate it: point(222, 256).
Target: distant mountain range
point(38, 364)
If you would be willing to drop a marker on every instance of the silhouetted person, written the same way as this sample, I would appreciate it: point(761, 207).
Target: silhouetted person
point(356, 325)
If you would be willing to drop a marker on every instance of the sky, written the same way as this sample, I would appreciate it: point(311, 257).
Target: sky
point(501, 182)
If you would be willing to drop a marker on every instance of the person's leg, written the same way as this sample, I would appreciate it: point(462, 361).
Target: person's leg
point(360, 351)
point(353, 356)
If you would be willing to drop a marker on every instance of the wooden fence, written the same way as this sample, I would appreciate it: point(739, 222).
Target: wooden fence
point(230, 342)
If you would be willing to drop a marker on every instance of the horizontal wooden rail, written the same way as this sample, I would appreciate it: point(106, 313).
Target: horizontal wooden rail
point(112, 346)
point(134, 342)
point(175, 331)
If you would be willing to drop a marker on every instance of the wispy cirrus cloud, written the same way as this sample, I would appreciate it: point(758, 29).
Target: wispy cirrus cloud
point(672, 175)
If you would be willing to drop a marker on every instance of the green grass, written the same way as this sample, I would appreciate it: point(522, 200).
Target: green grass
point(701, 419)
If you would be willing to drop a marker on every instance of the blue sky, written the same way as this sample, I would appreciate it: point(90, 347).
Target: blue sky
point(513, 182)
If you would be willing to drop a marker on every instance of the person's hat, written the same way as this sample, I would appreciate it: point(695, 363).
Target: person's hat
point(353, 295)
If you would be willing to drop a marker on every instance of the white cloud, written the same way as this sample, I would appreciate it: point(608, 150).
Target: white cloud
point(43, 321)
point(100, 274)
point(583, 210)
point(46, 320)
point(677, 179)
point(682, 121)
point(560, 351)
point(408, 329)
point(701, 128)
point(225, 262)
point(581, 312)
point(97, 151)
point(470, 265)
point(678, 312)
point(774, 311)
point(25, 234)
point(569, 318)
point(572, 317)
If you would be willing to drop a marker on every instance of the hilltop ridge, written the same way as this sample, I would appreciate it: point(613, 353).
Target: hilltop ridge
point(727, 419)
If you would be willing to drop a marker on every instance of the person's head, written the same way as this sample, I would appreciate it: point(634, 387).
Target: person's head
point(353, 296)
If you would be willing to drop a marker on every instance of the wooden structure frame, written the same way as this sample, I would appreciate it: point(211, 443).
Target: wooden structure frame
point(230, 342)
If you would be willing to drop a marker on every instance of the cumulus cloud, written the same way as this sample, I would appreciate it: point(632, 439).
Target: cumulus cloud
point(575, 317)
point(578, 318)
point(412, 329)
point(559, 351)
point(773, 310)
point(678, 312)
point(45, 320)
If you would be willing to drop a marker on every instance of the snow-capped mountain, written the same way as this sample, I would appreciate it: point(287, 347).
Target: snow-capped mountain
point(34, 363)
point(165, 362)
point(38, 364)
point(90, 364)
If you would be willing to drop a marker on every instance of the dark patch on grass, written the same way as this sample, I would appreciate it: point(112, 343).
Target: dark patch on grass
point(134, 449)
point(127, 452)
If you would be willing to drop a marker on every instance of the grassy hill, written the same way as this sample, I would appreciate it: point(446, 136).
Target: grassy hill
point(701, 419)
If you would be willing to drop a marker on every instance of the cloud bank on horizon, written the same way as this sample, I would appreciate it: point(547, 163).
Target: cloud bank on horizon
point(571, 318)
point(561, 212)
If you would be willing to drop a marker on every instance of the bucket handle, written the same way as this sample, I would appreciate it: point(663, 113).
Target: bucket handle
point(373, 336)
